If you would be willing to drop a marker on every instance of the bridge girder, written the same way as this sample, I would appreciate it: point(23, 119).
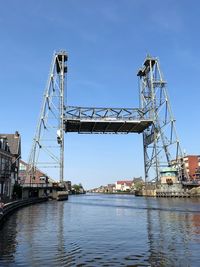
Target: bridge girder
point(105, 120)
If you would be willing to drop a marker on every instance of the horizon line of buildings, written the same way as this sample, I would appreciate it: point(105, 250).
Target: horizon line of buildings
point(120, 186)
point(192, 165)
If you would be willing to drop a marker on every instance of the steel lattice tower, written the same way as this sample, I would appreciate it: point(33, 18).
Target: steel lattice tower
point(160, 141)
point(48, 143)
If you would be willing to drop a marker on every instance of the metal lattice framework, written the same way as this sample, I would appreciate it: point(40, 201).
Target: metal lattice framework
point(160, 140)
point(105, 120)
point(48, 144)
point(104, 113)
point(154, 119)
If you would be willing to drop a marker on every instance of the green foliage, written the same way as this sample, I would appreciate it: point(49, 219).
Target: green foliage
point(78, 188)
point(139, 185)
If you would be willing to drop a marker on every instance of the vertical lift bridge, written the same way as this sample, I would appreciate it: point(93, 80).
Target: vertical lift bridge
point(153, 119)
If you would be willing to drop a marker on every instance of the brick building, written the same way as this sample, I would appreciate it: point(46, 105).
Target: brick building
point(38, 186)
point(192, 164)
point(39, 178)
point(41, 184)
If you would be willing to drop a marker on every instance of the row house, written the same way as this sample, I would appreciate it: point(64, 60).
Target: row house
point(10, 153)
point(123, 185)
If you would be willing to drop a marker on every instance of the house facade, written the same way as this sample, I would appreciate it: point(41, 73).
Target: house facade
point(192, 164)
point(37, 186)
point(39, 176)
point(40, 185)
point(123, 185)
point(10, 153)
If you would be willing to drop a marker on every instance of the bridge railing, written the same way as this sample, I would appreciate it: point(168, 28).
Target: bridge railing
point(72, 112)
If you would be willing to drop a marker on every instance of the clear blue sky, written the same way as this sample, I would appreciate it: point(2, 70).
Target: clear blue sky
point(107, 41)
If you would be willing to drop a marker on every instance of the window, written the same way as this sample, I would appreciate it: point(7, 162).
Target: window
point(22, 167)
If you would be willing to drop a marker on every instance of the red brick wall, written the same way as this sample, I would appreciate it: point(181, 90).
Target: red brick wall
point(192, 165)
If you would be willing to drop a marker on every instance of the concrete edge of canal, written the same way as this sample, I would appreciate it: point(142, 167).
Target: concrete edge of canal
point(11, 207)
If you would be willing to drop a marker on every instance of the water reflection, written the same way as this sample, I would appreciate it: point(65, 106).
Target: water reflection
point(171, 233)
point(8, 241)
point(103, 230)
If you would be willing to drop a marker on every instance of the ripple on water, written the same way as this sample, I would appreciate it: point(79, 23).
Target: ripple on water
point(103, 231)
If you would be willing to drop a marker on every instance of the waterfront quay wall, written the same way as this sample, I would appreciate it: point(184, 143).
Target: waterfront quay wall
point(10, 207)
point(164, 193)
point(165, 190)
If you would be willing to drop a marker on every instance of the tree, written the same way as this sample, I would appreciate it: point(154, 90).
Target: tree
point(78, 188)
point(138, 186)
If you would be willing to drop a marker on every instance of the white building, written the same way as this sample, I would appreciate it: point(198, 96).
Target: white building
point(123, 185)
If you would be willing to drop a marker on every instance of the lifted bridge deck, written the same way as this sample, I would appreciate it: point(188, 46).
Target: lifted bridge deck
point(105, 120)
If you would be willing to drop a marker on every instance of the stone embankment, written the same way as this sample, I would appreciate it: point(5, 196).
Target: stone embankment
point(195, 192)
point(153, 192)
point(10, 207)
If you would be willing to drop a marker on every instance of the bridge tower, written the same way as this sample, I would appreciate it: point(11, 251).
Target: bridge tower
point(48, 144)
point(161, 144)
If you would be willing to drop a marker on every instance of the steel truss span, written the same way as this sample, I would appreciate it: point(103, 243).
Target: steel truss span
point(105, 120)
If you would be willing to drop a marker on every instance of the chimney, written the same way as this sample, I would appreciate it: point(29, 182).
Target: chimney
point(16, 134)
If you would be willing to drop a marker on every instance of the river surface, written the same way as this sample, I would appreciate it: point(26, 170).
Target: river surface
point(103, 230)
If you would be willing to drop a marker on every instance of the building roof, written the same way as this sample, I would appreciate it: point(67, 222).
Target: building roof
point(14, 142)
point(191, 156)
point(125, 182)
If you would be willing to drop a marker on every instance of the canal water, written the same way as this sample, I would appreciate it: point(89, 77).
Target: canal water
point(103, 230)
